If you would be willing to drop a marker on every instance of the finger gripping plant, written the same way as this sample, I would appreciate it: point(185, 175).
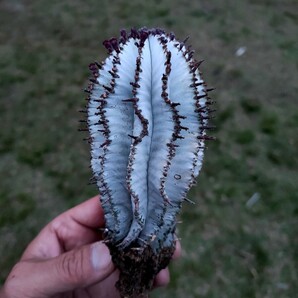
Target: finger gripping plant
point(148, 113)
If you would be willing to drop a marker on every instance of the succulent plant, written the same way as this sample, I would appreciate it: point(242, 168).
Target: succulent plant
point(148, 112)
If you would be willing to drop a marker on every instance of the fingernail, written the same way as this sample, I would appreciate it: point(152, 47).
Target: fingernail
point(100, 256)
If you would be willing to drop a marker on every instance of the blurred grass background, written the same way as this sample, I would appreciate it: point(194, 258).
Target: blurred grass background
point(241, 237)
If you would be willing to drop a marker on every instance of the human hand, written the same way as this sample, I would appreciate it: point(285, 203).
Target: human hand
point(67, 259)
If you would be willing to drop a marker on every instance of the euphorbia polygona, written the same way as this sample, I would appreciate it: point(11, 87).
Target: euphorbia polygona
point(148, 113)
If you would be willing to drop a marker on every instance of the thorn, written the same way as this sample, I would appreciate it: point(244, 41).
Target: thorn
point(190, 54)
point(185, 40)
point(100, 100)
point(142, 240)
point(211, 102)
point(169, 202)
point(83, 121)
point(169, 55)
point(106, 143)
point(102, 230)
point(107, 88)
point(99, 65)
point(211, 111)
point(112, 85)
point(88, 139)
point(196, 65)
point(181, 45)
point(207, 127)
point(196, 84)
point(87, 91)
point(93, 178)
point(201, 96)
point(116, 61)
point(133, 137)
point(105, 201)
point(133, 99)
point(207, 117)
point(113, 74)
point(210, 89)
point(179, 137)
point(93, 67)
point(164, 94)
point(206, 138)
point(183, 127)
point(172, 145)
point(83, 129)
point(181, 117)
point(137, 248)
point(189, 201)
point(135, 85)
point(123, 34)
point(94, 81)
point(91, 183)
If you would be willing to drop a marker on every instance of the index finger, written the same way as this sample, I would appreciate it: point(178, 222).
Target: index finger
point(89, 213)
point(75, 227)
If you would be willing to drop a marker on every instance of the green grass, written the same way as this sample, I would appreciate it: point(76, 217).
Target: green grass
point(230, 248)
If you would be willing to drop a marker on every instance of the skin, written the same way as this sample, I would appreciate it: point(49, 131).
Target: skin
point(69, 259)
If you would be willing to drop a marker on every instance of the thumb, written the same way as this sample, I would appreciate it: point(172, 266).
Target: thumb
point(78, 268)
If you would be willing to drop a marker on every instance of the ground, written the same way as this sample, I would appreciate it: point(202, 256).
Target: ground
point(240, 239)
